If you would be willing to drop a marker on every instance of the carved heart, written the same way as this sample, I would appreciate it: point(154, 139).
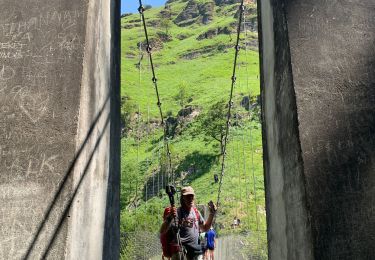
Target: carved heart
point(33, 105)
point(3, 86)
point(6, 73)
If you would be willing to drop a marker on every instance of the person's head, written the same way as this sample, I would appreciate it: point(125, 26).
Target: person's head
point(187, 197)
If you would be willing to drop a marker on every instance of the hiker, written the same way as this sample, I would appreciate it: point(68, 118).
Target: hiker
point(203, 243)
point(168, 238)
point(186, 221)
point(211, 242)
point(216, 178)
point(236, 222)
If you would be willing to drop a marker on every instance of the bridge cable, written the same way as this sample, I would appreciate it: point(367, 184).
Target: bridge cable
point(230, 104)
point(247, 180)
point(141, 10)
point(238, 149)
point(138, 168)
point(238, 132)
point(138, 128)
point(251, 135)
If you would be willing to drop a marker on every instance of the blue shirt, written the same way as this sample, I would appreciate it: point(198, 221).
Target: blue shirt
point(210, 235)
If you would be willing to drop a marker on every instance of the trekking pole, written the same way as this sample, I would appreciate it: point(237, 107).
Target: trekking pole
point(171, 190)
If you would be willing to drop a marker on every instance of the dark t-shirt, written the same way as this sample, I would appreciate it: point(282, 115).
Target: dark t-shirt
point(189, 225)
point(189, 230)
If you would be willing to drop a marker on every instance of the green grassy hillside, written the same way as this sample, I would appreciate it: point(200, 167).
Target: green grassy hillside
point(193, 53)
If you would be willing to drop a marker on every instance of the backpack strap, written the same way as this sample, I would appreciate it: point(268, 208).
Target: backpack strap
point(197, 214)
point(179, 213)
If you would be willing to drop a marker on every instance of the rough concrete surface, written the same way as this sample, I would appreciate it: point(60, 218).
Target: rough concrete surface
point(333, 61)
point(289, 235)
point(43, 144)
point(329, 57)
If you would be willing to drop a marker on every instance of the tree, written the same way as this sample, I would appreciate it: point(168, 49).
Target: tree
point(182, 96)
point(166, 24)
point(127, 110)
point(213, 123)
point(165, 19)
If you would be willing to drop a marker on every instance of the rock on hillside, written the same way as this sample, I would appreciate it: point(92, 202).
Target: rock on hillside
point(156, 42)
point(171, 1)
point(216, 31)
point(195, 12)
point(229, 2)
point(226, 2)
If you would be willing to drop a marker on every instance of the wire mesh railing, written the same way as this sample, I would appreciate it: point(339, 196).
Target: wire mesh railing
point(142, 245)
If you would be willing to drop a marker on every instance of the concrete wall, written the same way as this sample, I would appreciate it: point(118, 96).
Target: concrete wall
point(288, 231)
point(59, 131)
point(331, 70)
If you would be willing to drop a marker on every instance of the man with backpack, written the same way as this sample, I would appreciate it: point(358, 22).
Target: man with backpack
point(180, 229)
point(203, 242)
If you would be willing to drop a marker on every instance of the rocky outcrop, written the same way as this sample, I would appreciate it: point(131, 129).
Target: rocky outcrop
point(190, 12)
point(206, 51)
point(175, 125)
point(164, 37)
point(186, 111)
point(165, 13)
point(182, 36)
point(226, 2)
point(249, 11)
point(171, 125)
point(206, 11)
point(214, 32)
point(250, 103)
point(195, 12)
point(137, 23)
point(130, 26)
point(156, 44)
point(229, 2)
point(172, 1)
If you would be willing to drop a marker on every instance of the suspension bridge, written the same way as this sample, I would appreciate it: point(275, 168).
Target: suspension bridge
point(60, 134)
point(137, 242)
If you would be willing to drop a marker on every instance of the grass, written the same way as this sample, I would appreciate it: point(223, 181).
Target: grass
point(208, 80)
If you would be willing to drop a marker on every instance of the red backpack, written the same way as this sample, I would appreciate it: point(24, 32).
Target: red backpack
point(168, 239)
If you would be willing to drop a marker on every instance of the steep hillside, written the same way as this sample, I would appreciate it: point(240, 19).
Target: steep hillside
point(193, 52)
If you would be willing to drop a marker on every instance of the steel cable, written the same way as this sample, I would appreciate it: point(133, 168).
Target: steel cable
point(230, 104)
point(141, 10)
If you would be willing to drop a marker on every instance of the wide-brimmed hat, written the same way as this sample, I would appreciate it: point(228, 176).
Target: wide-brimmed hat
point(187, 191)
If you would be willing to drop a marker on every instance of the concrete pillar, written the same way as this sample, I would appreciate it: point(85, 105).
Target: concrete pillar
point(288, 228)
point(59, 129)
point(318, 93)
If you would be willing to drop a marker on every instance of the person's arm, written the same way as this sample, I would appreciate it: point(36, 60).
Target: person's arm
point(165, 226)
point(206, 226)
point(168, 221)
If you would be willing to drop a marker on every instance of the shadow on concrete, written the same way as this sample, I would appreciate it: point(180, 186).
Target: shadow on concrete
point(340, 183)
point(335, 64)
point(67, 177)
